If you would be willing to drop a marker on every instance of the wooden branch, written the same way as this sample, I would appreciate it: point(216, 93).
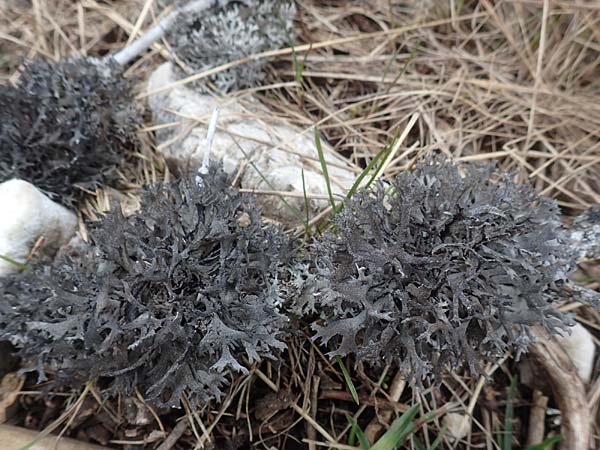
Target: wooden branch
point(537, 418)
point(568, 389)
point(175, 435)
point(15, 438)
point(155, 33)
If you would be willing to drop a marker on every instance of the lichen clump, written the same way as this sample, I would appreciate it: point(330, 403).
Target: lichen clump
point(167, 301)
point(232, 30)
point(66, 125)
point(448, 266)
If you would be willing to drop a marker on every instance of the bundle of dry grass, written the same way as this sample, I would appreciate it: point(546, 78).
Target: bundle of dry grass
point(513, 80)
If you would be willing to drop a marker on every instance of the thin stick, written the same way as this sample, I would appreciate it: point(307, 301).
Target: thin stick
point(176, 433)
point(296, 408)
point(569, 391)
point(155, 33)
point(311, 432)
point(139, 22)
point(538, 73)
point(375, 428)
point(399, 142)
point(536, 418)
point(210, 135)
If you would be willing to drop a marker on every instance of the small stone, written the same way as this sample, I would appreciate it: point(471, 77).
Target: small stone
point(136, 412)
point(457, 425)
point(27, 216)
point(270, 154)
point(244, 220)
point(10, 389)
point(579, 346)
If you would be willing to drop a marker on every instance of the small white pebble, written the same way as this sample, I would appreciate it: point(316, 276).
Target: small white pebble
point(579, 346)
point(27, 215)
point(457, 425)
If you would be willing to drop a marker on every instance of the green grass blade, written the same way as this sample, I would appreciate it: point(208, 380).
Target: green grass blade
point(387, 154)
point(306, 204)
point(412, 56)
point(546, 443)
point(298, 66)
point(324, 166)
point(418, 444)
point(402, 427)
point(303, 64)
point(352, 437)
point(21, 266)
point(380, 158)
point(348, 379)
point(295, 211)
point(366, 171)
point(509, 413)
point(358, 432)
point(438, 440)
point(298, 69)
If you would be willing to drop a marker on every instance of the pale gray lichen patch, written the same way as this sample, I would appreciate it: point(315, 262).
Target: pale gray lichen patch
point(233, 30)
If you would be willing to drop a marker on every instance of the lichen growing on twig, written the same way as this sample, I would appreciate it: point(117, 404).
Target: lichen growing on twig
point(449, 266)
point(168, 301)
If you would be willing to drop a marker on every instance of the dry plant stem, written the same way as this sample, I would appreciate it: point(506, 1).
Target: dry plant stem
point(155, 33)
point(536, 418)
point(303, 48)
point(299, 410)
point(311, 433)
point(177, 432)
point(15, 438)
point(212, 128)
point(205, 438)
point(375, 427)
point(568, 389)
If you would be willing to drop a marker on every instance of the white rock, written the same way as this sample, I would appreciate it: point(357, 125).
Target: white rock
point(579, 346)
point(27, 214)
point(457, 425)
point(279, 150)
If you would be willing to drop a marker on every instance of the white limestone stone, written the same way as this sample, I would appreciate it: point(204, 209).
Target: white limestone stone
point(580, 347)
point(27, 214)
point(279, 150)
point(457, 425)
